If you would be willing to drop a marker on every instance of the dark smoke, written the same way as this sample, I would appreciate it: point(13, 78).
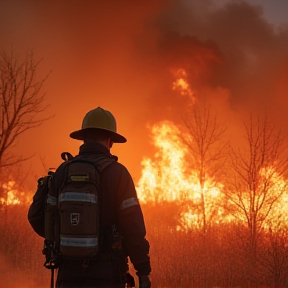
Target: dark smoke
point(254, 52)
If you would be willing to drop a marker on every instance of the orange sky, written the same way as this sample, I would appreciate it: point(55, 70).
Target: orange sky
point(119, 55)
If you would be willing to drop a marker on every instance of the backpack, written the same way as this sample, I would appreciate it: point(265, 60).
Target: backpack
point(72, 213)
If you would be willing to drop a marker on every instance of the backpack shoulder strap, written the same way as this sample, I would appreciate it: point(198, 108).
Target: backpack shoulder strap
point(66, 156)
point(103, 163)
point(99, 161)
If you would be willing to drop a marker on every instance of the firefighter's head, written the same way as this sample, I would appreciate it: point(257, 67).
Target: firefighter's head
point(98, 124)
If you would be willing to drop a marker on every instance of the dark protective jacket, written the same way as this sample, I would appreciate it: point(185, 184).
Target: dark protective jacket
point(116, 191)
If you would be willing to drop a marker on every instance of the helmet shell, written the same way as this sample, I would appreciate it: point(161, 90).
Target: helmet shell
point(99, 119)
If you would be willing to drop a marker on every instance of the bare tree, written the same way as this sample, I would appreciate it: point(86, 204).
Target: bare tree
point(207, 154)
point(21, 102)
point(273, 254)
point(256, 180)
point(206, 147)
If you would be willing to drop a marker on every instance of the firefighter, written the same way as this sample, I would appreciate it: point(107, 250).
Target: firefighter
point(119, 209)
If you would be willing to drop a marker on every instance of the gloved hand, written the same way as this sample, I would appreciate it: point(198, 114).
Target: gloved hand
point(144, 281)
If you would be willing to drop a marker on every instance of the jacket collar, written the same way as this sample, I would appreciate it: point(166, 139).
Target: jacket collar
point(93, 148)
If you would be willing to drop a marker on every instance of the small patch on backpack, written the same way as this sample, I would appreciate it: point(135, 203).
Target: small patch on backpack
point(75, 218)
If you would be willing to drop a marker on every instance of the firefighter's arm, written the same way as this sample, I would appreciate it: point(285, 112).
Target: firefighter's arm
point(131, 224)
point(36, 210)
point(134, 232)
point(132, 228)
point(144, 281)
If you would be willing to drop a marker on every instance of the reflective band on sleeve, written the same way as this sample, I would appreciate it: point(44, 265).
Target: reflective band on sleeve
point(129, 203)
point(79, 197)
point(51, 200)
point(78, 242)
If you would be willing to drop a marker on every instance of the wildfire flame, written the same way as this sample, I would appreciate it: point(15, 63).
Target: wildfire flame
point(272, 195)
point(181, 84)
point(12, 195)
point(166, 178)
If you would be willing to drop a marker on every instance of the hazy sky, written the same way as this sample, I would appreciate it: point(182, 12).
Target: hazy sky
point(121, 54)
point(275, 11)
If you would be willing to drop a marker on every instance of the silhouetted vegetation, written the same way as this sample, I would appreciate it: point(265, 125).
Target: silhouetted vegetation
point(178, 257)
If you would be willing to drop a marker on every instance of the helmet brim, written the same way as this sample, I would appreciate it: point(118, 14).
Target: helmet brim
point(115, 137)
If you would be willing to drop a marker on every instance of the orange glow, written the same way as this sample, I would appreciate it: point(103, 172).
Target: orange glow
point(118, 55)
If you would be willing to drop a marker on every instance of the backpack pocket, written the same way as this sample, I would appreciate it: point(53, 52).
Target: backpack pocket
point(79, 224)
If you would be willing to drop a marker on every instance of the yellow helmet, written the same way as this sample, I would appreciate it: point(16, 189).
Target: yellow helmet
point(99, 119)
